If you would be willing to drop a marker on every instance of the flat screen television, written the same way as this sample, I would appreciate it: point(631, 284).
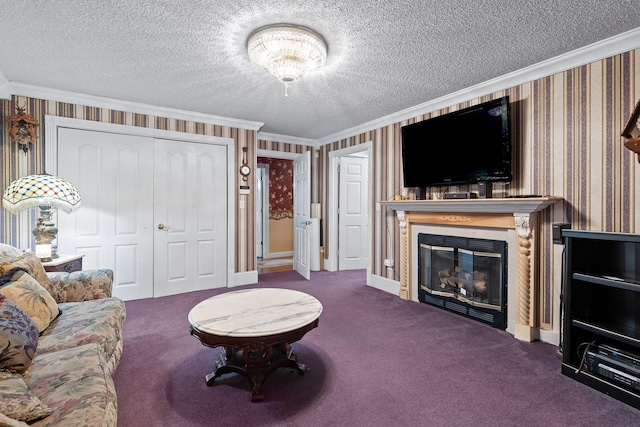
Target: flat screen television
point(463, 147)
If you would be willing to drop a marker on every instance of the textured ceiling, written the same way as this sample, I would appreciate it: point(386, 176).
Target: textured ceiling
point(384, 56)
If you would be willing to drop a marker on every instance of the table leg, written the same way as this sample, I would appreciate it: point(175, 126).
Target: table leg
point(222, 368)
point(256, 365)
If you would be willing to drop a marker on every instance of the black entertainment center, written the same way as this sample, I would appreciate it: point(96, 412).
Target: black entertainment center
point(468, 146)
point(601, 325)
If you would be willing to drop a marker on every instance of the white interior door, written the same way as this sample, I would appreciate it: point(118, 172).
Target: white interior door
point(260, 208)
point(353, 247)
point(114, 227)
point(190, 210)
point(302, 214)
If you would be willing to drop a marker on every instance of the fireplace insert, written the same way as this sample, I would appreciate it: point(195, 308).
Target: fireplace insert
point(464, 275)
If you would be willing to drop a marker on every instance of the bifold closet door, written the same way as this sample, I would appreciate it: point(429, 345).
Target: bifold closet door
point(190, 212)
point(153, 210)
point(114, 226)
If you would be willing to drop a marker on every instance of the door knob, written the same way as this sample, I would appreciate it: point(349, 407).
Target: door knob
point(163, 227)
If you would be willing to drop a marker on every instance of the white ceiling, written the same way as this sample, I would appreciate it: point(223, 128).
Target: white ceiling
point(384, 56)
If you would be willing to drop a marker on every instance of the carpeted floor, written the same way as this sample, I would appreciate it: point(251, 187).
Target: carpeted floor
point(375, 360)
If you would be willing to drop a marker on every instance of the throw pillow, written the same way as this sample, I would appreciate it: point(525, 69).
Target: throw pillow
point(17, 402)
point(31, 263)
point(8, 251)
point(18, 337)
point(32, 298)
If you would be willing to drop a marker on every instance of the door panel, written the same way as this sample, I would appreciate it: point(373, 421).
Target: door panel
point(352, 217)
point(113, 226)
point(190, 215)
point(302, 214)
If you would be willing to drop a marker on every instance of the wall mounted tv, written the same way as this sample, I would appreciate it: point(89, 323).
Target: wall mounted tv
point(463, 147)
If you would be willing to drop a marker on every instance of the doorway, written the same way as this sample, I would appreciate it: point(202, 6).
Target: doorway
point(274, 230)
point(274, 208)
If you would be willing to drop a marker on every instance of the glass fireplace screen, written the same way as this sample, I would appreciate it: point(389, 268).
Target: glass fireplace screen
point(463, 274)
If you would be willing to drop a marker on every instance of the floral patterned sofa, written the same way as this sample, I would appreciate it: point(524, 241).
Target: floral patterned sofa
point(60, 342)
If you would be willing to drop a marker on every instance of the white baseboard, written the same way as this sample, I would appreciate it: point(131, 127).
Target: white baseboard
point(551, 337)
point(245, 278)
point(384, 284)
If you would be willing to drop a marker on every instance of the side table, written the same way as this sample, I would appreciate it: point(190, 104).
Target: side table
point(64, 263)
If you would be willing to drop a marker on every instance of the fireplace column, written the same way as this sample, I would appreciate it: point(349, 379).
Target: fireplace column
point(404, 256)
point(525, 315)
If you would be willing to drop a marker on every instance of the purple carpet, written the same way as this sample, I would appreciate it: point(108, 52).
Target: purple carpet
point(374, 360)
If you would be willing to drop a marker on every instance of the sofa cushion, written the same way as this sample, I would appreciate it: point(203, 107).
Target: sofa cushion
point(18, 337)
point(31, 263)
point(76, 385)
point(32, 298)
point(17, 402)
point(98, 321)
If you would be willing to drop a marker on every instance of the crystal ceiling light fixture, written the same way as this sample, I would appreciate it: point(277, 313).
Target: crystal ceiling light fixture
point(288, 52)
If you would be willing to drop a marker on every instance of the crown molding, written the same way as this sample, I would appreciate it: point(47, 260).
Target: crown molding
point(288, 139)
point(21, 89)
point(621, 43)
point(5, 92)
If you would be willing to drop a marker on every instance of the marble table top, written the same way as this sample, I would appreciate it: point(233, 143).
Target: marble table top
point(255, 312)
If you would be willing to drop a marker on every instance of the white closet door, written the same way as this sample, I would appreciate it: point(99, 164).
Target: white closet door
point(352, 213)
point(113, 227)
point(190, 210)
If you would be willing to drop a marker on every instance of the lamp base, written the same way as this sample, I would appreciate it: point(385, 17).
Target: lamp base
point(45, 232)
point(43, 251)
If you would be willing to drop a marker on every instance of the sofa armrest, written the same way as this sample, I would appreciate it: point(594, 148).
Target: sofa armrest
point(82, 285)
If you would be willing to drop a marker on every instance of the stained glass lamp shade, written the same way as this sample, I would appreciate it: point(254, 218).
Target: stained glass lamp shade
point(46, 192)
point(41, 190)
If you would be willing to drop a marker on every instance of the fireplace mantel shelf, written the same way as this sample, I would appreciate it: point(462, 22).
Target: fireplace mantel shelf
point(522, 205)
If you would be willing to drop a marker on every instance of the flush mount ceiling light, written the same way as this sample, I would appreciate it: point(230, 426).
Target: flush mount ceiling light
point(287, 52)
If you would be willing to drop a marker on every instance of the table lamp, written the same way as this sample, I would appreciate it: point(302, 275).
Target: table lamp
point(47, 192)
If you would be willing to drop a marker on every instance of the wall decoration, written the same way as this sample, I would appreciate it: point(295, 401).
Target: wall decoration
point(22, 129)
point(632, 132)
point(280, 187)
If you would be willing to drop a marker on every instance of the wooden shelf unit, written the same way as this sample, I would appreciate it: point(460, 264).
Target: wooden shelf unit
point(601, 307)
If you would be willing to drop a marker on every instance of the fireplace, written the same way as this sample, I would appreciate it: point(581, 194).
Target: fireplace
point(465, 275)
point(510, 220)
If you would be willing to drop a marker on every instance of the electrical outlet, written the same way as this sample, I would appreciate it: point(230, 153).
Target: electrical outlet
point(388, 263)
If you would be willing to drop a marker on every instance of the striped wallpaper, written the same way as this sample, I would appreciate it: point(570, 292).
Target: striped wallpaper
point(567, 144)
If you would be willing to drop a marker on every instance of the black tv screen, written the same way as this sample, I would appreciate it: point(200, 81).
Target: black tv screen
point(466, 146)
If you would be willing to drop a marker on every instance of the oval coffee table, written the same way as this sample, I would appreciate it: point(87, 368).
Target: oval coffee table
point(256, 328)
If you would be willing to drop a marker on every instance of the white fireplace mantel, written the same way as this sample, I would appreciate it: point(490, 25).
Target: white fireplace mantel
point(504, 213)
point(508, 205)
